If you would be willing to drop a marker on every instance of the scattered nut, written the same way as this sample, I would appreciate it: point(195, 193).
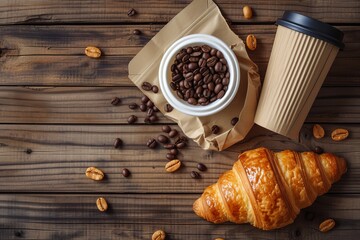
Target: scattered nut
point(101, 204)
point(327, 225)
point(247, 11)
point(251, 42)
point(318, 131)
point(92, 52)
point(339, 134)
point(173, 165)
point(158, 235)
point(94, 173)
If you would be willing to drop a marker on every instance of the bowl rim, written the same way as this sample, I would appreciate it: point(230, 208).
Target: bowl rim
point(167, 61)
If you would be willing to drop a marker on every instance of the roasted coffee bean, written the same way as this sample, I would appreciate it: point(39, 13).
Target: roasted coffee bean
point(144, 99)
point(218, 88)
point(220, 94)
point(211, 61)
point(318, 150)
point(206, 56)
point(201, 167)
point(143, 107)
point(118, 143)
point(136, 32)
point(218, 67)
point(192, 101)
point(225, 81)
point(180, 145)
point(150, 104)
point(125, 172)
point(163, 139)
point(195, 175)
point(150, 112)
point(169, 146)
point(147, 120)
point(174, 151)
point(189, 50)
point(131, 12)
point(196, 54)
point(133, 106)
point(219, 54)
point(168, 108)
point(132, 119)
point(151, 143)
point(205, 48)
point(170, 156)
point(202, 62)
point(115, 101)
point(153, 118)
point(166, 128)
point(173, 133)
point(155, 109)
point(155, 89)
point(234, 121)
point(215, 129)
point(94, 173)
point(146, 86)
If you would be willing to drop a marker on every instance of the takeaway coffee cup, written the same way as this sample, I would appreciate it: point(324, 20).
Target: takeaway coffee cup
point(303, 52)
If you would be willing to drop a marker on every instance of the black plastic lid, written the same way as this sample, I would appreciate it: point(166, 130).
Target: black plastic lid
point(312, 27)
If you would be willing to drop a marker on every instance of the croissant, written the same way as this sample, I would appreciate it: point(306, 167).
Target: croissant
point(268, 189)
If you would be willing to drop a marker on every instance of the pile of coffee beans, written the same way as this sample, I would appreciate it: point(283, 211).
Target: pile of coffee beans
point(200, 75)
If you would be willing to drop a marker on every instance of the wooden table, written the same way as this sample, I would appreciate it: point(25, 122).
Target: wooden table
point(57, 120)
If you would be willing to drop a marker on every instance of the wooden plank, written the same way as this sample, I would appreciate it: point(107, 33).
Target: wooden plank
point(74, 216)
point(84, 105)
point(52, 158)
point(112, 11)
point(54, 55)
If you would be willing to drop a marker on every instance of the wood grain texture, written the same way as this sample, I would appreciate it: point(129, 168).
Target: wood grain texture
point(91, 105)
point(59, 156)
point(74, 216)
point(54, 55)
point(112, 11)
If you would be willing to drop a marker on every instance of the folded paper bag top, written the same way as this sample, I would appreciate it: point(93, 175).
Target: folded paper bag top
point(303, 52)
point(202, 17)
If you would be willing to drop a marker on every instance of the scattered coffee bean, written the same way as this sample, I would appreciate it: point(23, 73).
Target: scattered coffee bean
point(147, 119)
point(132, 119)
point(146, 86)
point(143, 107)
point(155, 109)
point(166, 128)
point(247, 11)
point(168, 108)
point(173, 133)
point(251, 42)
point(327, 225)
point(94, 173)
point(234, 121)
point(131, 12)
point(151, 143)
point(169, 146)
point(170, 156)
point(101, 204)
point(125, 172)
point(115, 101)
point(215, 129)
point(150, 104)
point(163, 139)
point(339, 134)
point(144, 99)
point(133, 106)
point(318, 150)
point(174, 151)
point(136, 32)
point(155, 89)
point(118, 143)
point(153, 118)
point(17, 233)
point(173, 165)
point(318, 131)
point(201, 167)
point(181, 145)
point(28, 151)
point(195, 175)
point(150, 112)
point(92, 52)
point(158, 235)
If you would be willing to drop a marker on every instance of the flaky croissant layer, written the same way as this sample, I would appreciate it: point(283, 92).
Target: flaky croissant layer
point(268, 189)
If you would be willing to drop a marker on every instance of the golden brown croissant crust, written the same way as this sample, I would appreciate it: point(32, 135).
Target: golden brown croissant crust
point(268, 189)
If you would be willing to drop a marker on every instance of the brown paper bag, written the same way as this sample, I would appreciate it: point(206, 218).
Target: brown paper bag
point(202, 16)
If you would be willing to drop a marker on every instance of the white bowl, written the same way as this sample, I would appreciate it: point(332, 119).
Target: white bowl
point(165, 75)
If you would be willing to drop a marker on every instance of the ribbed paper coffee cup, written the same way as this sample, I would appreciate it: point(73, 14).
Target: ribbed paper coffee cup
point(303, 52)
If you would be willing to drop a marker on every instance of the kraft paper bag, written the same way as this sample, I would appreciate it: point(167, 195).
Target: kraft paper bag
point(202, 16)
